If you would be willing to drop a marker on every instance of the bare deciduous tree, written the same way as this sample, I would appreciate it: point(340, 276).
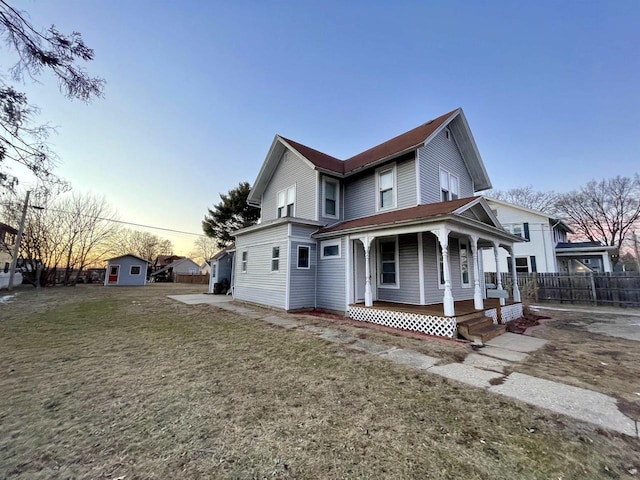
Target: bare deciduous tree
point(203, 249)
point(526, 197)
point(604, 211)
point(20, 140)
point(143, 244)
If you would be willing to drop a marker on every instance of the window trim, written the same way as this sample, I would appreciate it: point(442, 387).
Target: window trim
point(465, 244)
point(136, 274)
point(382, 240)
point(244, 261)
point(379, 172)
point(326, 180)
point(330, 243)
point(275, 258)
point(213, 269)
point(448, 189)
point(516, 262)
point(285, 192)
point(308, 257)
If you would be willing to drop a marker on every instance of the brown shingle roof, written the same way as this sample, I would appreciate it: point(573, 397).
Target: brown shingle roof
point(428, 210)
point(396, 145)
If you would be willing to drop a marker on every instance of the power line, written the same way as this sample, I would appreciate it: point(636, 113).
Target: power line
point(127, 223)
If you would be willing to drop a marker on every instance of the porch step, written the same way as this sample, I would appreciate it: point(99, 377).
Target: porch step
point(480, 328)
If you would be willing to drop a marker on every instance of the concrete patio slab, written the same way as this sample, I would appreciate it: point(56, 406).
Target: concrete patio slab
point(484, 362)
point(579, 403)
point(517, 343)
point(410, 358)
point(466, 374)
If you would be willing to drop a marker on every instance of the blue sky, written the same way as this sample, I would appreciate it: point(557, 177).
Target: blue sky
point(196, 90)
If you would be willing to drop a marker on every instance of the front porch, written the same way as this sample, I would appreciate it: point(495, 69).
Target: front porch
point(430, 319)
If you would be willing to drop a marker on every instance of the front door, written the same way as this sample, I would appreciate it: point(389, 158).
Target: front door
point(358, 270)
point(113, 273)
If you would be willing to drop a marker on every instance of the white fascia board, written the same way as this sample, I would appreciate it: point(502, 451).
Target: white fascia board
point(476, 152)
point(490, 200)
point(444, 125)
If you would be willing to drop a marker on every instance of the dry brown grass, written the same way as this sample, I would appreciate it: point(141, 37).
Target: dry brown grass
point(121, 382)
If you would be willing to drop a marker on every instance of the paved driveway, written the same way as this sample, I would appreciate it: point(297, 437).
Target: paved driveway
point(614, 322)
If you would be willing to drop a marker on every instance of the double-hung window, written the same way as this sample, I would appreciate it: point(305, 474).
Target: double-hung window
point(449, 186)
point(522, 264)
point(275, 259)
point(386, 191)
point(286, 202)
point(388, 262)
point(330, 206)
point(464, 264)
point(243, 263)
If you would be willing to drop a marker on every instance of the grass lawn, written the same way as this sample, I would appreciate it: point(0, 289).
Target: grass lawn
point(124, 383)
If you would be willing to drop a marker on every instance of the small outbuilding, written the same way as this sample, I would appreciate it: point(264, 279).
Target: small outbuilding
point(221, 276)
point(126, 270)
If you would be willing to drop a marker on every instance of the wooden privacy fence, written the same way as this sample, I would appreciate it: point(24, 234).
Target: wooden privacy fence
point(607, 289)
point(188, 278)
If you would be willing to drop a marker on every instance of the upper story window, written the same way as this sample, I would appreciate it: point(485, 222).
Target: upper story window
point(449, 186)
point(386, 188)
point(330, 195)
point(518, 229)
point(447, 134)
point(286, 202)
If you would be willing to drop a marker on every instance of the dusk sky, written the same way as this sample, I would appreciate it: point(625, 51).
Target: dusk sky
point(196, 91)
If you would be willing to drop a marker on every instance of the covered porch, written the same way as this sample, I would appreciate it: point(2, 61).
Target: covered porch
point(430, 319)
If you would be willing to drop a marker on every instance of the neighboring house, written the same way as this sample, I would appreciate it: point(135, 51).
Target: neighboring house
point(182, 266)
point(546, 249)
point(541, 232)
point(373, 236)
point(126, 270)
point(585, 257)
point(162, 261)
point(7, 243)
point(205, 268)
point(221, 278)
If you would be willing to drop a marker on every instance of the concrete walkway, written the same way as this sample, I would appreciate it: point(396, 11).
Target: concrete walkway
point(482, 369)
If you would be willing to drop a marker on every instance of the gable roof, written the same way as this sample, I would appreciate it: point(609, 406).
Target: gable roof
point(225, 251)
point(385, 151)
point(128, 255)
point(426, 213)
point(557, 221)
point(175, 264)
point(8, 228)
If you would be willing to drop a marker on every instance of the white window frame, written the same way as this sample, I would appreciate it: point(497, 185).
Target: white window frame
point(516, 262)
point(284, 203)
point(394, 171)
point(448, 185)
point(465, 244)
point(308, 257)
point(275, 257)
point(131, 268)
point(330, 243)
point(244, 261)
point(213, 268)
point(382, 240)
point(447, 134)
point(326, 180)
point(511, 228)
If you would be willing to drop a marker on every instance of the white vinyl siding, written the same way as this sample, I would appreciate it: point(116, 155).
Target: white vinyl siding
point(331, 289)
point(431, 251)
point(302, 283)
point(409, 291)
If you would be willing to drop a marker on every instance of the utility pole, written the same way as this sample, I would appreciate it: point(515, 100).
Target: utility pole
point(16, 247)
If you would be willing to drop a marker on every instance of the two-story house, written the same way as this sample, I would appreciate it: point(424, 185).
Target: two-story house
point(391, 235)
point(7, 243)
point(546, 248)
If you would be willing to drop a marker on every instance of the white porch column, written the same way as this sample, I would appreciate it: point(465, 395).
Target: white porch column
point(368, 295)
point(514, 276)
point(447, 301)
point(498, 276)
point(478, 302)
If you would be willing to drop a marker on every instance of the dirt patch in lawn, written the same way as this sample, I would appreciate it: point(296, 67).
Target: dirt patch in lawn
point(578, 357)
point(122, 382)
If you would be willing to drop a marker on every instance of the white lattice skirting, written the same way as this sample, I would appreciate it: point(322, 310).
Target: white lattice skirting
point(415, 322)
point(511, 312)
point(492, 313)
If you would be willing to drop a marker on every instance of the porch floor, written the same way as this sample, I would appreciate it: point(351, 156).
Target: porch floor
point(462, 307)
